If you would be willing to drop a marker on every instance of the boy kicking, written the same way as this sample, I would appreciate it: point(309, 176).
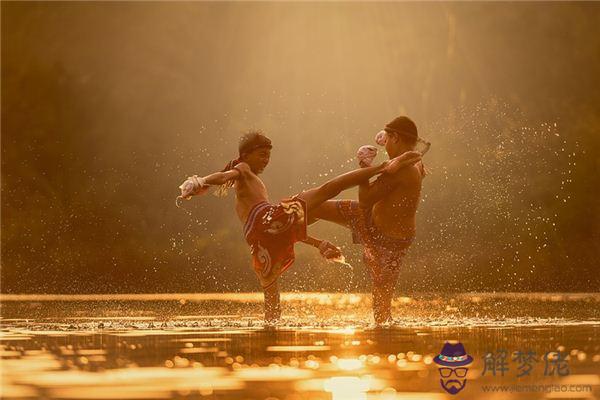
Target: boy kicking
point(272, 229)
point(383, 219)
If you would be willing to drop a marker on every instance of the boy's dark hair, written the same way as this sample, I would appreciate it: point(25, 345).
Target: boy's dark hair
point(248, 142)
point(405, 128)
point(253, 140)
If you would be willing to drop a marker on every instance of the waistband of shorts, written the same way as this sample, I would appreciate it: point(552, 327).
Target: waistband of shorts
point(376, 232)
point(380, 239)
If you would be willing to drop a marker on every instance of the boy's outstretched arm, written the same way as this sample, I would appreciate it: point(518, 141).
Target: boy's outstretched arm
point(195, 185)
point(219, 178)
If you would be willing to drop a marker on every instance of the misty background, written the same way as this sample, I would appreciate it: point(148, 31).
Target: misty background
point(108, 106)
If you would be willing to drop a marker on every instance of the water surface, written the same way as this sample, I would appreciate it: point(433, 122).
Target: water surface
point(180, 346)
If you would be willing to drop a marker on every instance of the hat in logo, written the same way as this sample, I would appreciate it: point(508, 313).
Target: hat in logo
point(453, 355)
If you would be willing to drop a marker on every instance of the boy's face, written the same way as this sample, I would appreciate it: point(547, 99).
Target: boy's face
point(396, 146)
point(257, 159)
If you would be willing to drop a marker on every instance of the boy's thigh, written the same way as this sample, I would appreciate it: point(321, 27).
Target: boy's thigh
point(329, 211)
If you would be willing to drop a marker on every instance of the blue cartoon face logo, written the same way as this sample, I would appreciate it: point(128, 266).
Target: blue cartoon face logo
point(452, 362)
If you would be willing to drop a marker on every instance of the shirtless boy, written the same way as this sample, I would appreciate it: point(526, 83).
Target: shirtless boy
point(272, 229)
point(383, 219)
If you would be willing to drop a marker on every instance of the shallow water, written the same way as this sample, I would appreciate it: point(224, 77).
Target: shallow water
point(179, 346)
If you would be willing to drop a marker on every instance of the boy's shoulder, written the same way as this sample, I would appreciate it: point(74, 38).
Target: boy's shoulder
point(411, 174)
point(242, 167)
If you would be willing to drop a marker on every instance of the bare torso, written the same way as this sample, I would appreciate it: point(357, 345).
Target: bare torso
point(250, 190)
point(395, 214)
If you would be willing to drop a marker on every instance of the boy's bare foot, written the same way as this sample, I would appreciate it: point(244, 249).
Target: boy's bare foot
point(271, 323)
point(404, 160)
point(384, 324)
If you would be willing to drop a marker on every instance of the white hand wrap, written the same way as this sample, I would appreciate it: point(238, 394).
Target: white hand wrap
point(365, 155)
point(381, 138)
point(193, 185)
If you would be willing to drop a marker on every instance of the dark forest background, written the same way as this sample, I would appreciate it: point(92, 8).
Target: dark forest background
point(108, 106)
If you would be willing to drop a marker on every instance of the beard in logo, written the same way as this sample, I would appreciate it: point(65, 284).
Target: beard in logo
point(453, 386)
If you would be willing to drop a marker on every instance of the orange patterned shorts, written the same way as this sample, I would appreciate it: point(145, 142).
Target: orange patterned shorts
point(271, 231)
point(382, 254)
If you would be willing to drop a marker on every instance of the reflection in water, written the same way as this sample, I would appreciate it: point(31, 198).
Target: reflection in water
point(193, 349)
point(348, 364)
point(347, 387)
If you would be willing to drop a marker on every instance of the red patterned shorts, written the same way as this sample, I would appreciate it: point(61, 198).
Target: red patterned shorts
point(271, 231)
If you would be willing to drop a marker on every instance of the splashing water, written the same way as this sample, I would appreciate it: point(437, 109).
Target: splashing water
point(341, 259)
point(492, 203)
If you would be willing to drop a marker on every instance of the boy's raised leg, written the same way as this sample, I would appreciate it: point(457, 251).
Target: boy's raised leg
point(328, 211)
point(317, 196)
